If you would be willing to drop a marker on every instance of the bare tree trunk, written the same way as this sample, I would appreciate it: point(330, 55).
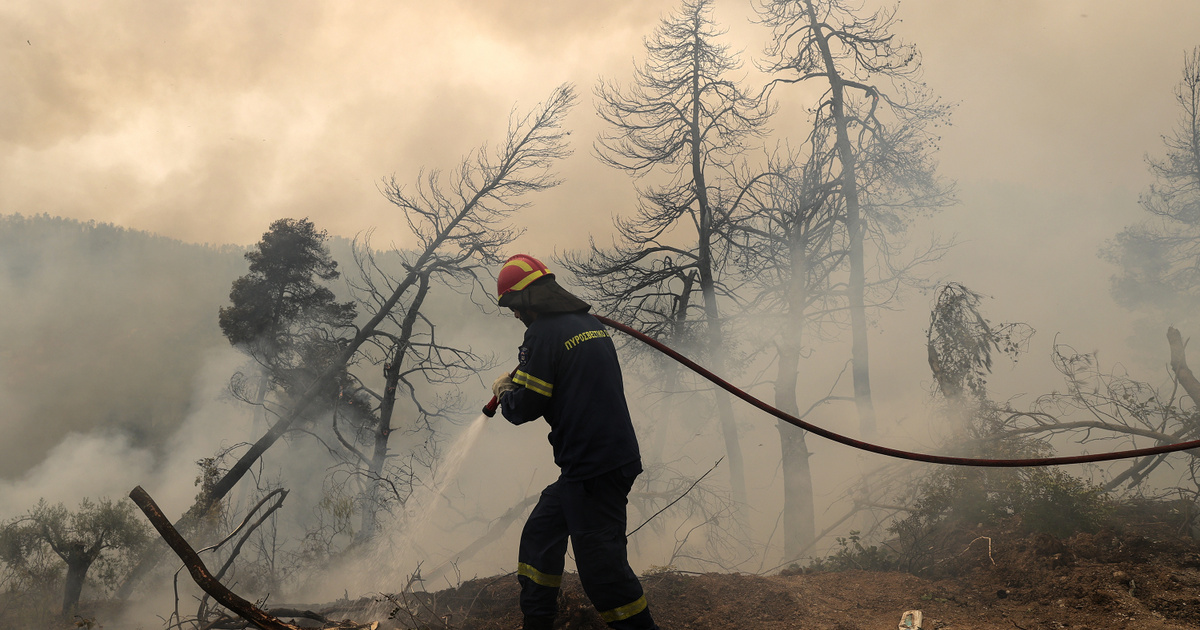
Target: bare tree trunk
point(1179, 366)
point(857, 232)
point(672, 369)
point(387, 407)
point(799, 517)
point(78, 564)
point(858, 314)
point(379, 456)
point(668, 414)
point(712, 314)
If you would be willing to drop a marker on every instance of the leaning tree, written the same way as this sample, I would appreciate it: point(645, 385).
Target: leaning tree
point(458, 219)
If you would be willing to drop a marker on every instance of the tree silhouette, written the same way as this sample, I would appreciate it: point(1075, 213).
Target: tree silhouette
point(281, 314)
point(1160, 256)
point(681, 124)
point(882, 116)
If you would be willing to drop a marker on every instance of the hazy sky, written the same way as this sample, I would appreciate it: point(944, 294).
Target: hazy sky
point(206, 121)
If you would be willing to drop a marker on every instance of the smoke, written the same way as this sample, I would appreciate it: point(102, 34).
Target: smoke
point(161, 117)
point(107, 463)
point(207, 121)
point(83, 465)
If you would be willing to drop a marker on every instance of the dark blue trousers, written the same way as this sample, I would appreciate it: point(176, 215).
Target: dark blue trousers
point(591, 513)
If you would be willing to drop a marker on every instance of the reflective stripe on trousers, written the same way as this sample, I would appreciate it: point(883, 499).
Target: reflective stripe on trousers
point(543, 579)
point(624, 612)
point(591, 514)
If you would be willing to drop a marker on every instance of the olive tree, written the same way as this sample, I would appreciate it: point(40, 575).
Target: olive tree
point(99, 535)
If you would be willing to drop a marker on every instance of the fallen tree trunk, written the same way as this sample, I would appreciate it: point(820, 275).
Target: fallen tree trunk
point(200, 574)
point(232, 623)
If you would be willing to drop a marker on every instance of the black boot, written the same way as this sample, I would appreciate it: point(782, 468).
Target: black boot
point(539, 623)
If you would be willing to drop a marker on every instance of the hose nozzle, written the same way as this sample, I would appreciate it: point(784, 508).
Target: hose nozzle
point(489, 409)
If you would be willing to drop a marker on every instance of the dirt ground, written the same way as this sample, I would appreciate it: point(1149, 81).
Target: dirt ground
point(1143, 577)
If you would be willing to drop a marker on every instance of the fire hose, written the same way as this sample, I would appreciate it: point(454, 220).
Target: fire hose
point(490, 410)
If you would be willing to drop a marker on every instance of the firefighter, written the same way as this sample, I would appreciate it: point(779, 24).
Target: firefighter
point(568, 373)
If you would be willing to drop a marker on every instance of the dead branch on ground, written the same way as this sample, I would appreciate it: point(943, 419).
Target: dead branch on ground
point(200, 574)
point(237, 548)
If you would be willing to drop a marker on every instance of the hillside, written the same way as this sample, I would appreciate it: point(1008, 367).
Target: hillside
point(101, 329)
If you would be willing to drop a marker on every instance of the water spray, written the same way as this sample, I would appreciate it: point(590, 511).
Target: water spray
point(490, 410)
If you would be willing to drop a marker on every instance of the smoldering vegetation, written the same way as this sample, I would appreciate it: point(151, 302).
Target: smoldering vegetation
point(306, 409)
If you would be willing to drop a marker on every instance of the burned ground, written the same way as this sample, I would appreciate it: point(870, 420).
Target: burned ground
point(1143, 574)
point(1142, 571)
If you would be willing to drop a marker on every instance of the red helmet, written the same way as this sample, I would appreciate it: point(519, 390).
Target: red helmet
point(517, 272)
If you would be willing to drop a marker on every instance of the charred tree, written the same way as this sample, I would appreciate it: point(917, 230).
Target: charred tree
point(681, 123)
point(789, 242)
point(1157, 257)
point(454, 223)
point(883, 165)
point(195, 566)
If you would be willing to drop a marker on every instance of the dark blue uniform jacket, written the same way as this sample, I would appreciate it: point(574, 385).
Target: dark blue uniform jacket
point(570, 375)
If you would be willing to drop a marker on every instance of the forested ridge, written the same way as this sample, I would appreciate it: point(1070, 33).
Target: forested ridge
point(101, 327)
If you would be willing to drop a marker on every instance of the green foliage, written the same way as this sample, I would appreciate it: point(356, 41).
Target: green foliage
point(281, 314)
point(1046, 501)
point(852, 554)
point(960, 341)
point(1054, 502)
point(97, 542)
point(955, 502)
point(206, 515)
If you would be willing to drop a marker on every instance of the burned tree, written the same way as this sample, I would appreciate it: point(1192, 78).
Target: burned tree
point(1098, 405)
point(789, 242)
point(679, 126)
point(456, 222)
point(414, 359)
point(1158, 257)
point(882, 117)
point(462, 223)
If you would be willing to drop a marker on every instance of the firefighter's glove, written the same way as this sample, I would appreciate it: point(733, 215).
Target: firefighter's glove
point(503, 384)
